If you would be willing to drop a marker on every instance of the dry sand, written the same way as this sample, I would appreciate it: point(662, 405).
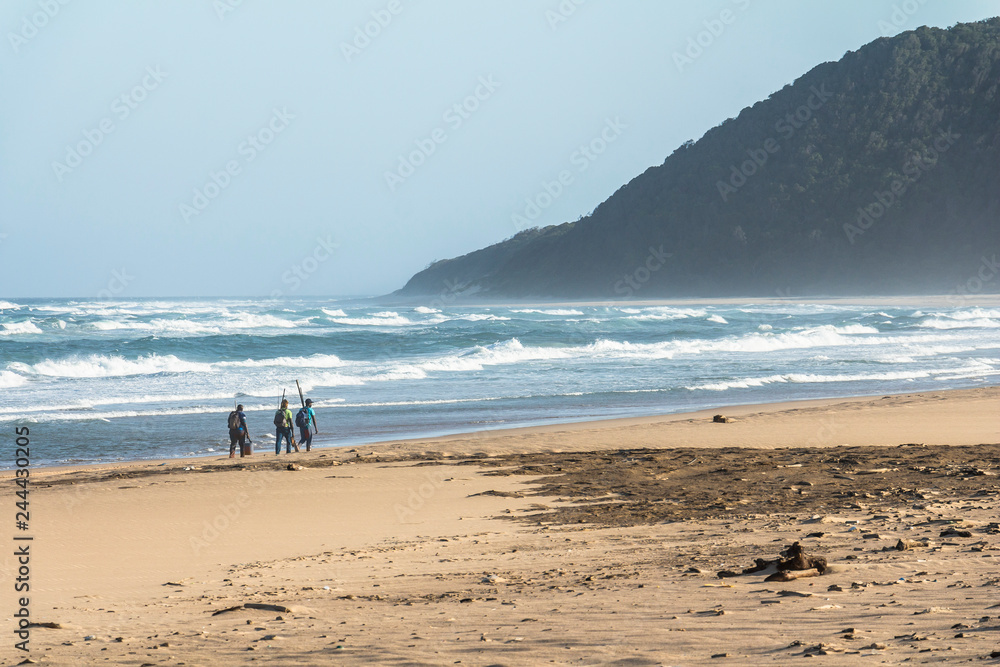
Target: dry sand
point(594, 543)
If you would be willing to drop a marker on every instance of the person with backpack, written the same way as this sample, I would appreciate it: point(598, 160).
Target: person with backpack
point(239, 434)
point(305, 419)
point(283, 426)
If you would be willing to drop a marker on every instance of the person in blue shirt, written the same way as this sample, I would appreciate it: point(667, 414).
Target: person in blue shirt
point(238, 433)
point(306, 420)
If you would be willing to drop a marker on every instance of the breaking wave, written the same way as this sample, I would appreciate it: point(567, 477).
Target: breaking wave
point(17, 328)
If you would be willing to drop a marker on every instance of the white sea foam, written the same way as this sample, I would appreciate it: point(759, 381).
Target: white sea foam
point(17, 328)
point(667, 314)
point(804, 378)
point(505, 352)
point(184, 326)
point(835, 351)
point(512, 351)
point(550, 311)
point(189, 406)
point(817, 337)
point(7, 305)
point(163, 326)
point(314, 361)
point(386, 318)
point(9, 380)
point(108, 325)
point(895, 359)
point(108, 415)
point(671, 312)
point(974, 368)
point(822, 336)
point(480, 317)
point(959, 323)
point(331, 379)
point(255, 321)
point(392, 404)
point(623, 349)
point(90, 406)
point(970, 314)
point(136, 309)
point(97, 366)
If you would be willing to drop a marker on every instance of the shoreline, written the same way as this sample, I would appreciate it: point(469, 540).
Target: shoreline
point(593, 541)
point(696, 423)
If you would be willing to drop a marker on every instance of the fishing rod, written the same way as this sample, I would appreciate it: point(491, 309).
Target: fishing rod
point(290, 426)
point(303, 400)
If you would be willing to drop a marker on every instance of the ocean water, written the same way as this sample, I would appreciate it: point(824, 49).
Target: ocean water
point(139, 379)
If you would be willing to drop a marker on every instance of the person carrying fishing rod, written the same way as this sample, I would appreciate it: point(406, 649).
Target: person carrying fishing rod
point(283, 425)
point(305, 419)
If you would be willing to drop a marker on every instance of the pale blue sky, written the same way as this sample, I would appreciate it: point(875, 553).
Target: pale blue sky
point(115, 112)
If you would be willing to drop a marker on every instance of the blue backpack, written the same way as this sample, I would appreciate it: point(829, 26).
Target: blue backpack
point(302, 418)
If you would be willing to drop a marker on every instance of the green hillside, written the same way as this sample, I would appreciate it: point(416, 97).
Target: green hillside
point(876, 174)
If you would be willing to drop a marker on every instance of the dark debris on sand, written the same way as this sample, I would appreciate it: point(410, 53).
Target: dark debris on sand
point(644, 486)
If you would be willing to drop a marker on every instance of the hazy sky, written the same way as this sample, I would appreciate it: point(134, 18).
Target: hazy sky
point(231, 148)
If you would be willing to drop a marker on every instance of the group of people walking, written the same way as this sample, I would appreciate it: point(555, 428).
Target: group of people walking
point(284, 424)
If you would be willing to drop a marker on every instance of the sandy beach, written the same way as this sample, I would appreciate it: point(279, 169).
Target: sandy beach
point(588, 543)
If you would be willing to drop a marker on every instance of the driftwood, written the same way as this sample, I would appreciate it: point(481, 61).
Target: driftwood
point(255, 605)
point(903, 545)
point(792, 575)
point(794, 560)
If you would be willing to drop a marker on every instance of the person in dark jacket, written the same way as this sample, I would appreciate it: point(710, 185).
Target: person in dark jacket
point(239, 434)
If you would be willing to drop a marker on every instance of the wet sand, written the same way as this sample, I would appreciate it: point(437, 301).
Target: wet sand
point(592, 543)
